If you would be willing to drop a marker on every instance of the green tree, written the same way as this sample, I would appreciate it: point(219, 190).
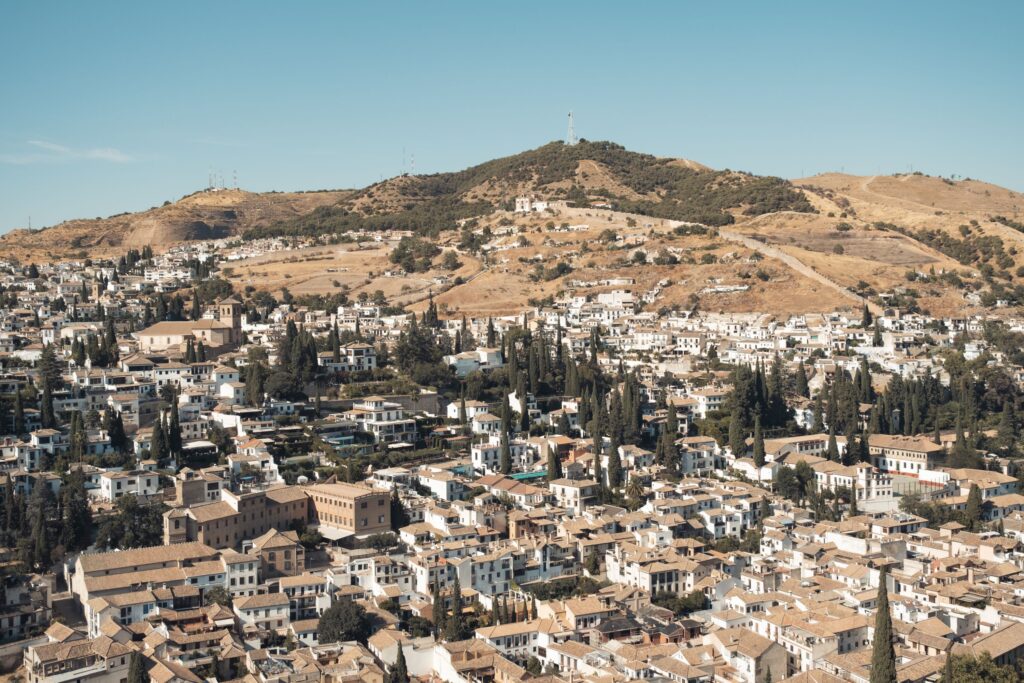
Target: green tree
point(217, 595)
point(759, 458)
point(554, 465)
point(345, 620)
point(76, 520)
point(883, 654)
point(972, 512)
point(981, 669)
point(399, 515)
point(137, 672)
point(455, 628)
point(400, 672)
point(504, 455)
point(737, 438)
point(440, 614)
point(132, 525)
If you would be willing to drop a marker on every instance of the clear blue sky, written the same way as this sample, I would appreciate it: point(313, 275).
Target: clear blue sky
point(108, 107)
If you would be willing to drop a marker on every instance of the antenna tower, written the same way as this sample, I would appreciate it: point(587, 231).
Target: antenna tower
point(570, 139)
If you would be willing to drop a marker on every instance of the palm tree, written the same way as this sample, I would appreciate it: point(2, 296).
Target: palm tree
point(635, 492)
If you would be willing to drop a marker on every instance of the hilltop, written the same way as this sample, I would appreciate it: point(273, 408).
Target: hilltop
point(208, 214)
point(582, 174)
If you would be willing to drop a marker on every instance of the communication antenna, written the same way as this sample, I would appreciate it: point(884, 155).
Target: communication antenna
point(570, 139)
point(412, 171)
point(234, 176)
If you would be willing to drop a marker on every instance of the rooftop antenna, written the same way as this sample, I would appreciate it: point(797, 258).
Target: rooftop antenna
point(570, 139)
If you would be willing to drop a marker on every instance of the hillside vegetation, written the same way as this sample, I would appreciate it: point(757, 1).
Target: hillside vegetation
point(635, 183)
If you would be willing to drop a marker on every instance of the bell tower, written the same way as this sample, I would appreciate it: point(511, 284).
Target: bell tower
point(230, 311)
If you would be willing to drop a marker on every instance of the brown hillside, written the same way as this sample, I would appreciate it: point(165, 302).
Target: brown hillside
point(203, 215)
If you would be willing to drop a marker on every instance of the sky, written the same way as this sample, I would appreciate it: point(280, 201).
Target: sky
point(108, 107)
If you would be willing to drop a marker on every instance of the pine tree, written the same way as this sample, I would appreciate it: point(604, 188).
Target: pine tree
point(883, 655)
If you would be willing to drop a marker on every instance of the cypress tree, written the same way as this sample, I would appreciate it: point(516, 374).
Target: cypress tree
point(554, 465)
point(614, 464)
point(158, 447)
point(737, 440)
point(972, 513)
point(455, 628)
point(400, 674)
point(137, 669)
point(504, 455)
point(883, 654)
point(833, 448)
point(19, 414)
point(801, 381)
point(759, 459)
point(672, 420)
point(439, 612)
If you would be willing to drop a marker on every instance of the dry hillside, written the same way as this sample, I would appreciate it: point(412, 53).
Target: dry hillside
point(202, 215)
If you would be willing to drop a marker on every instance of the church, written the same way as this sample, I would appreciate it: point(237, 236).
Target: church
point(217, 335)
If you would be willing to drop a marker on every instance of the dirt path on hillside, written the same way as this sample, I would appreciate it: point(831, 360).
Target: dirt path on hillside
point(797, 265)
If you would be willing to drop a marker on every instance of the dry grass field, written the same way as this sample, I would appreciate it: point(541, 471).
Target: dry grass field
point(340, 268)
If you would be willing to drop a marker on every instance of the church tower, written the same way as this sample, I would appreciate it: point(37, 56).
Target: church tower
point(230, 312)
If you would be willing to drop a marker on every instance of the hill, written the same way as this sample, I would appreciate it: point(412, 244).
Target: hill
point(207, 214)
point(579, 174)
